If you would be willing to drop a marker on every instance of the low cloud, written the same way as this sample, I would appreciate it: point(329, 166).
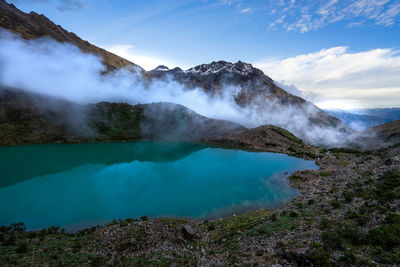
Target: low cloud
point(362, 79)
point(63, 71)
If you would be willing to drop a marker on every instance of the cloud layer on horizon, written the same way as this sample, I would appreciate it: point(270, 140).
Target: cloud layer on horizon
point(362, 79)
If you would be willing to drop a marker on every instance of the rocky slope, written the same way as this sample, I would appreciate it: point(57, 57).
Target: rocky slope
point(33, 25)
point(377, 137)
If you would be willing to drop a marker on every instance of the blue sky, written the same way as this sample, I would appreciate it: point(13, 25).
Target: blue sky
point(289, 40)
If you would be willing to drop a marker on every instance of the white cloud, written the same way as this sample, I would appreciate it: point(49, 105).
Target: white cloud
point(303, 17)
point(246, 10)
point(363, 79)
point(67, 5)
point(128, 52)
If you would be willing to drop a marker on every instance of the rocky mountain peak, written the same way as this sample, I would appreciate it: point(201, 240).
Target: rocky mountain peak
point(223, 66)
point(162, 68)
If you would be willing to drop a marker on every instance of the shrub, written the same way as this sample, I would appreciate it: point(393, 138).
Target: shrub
point(22, 248)
point(335, 204)
point(325, 173)
point(385, 236)
point(325, 223)
point(352, 234)
point(387, 188)
point(10, 241)
point(5, 229)
point(18, 227)
point(318, 255)
point(392, 218)
point(332, 240)
point(361, 219)
point(348, 196)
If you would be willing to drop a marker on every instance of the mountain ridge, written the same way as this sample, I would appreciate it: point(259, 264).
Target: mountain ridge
point(34, 25)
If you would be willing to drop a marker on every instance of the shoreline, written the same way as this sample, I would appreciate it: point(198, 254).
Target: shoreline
point(343, 193)
point(224, 212)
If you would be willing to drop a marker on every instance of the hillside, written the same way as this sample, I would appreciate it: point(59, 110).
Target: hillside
point(388, 132)
point(27, 118)
point(362, 119)
point(33, 25)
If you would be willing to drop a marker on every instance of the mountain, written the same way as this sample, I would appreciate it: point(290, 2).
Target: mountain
point(388, 114)
point(254, 87)
point(33, 25)
point(388, 133)
point(255, 93)
point(362, 119)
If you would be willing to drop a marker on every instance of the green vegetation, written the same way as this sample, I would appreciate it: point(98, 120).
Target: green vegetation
point(325, 173)
point(346, 150)
point(286, 221)
point(286, 134)
point(358, 244)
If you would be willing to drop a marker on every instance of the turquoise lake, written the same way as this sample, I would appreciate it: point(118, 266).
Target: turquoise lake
point(81, 185)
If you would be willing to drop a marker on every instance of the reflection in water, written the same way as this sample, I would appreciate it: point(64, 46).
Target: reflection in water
point(104, 182)
point(19, 163)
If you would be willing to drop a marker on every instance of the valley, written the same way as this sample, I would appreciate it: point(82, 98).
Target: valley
point(336, 202)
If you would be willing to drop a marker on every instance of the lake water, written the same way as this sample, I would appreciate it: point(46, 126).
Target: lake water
point(80, 185)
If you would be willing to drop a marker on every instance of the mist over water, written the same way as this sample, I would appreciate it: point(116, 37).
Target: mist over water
point(62, 70)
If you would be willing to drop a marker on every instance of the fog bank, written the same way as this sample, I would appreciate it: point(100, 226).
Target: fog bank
point(62, 70)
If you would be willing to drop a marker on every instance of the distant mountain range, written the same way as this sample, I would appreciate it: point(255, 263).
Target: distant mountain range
point(253, 93)
point(362, 119)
